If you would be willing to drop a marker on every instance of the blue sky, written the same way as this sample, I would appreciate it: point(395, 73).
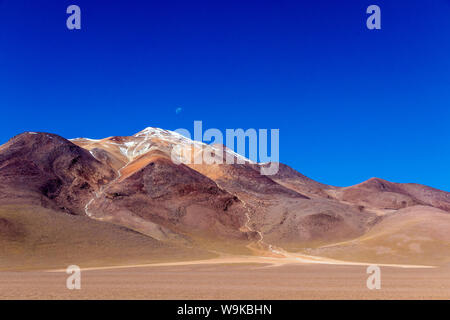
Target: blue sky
point(350, 103)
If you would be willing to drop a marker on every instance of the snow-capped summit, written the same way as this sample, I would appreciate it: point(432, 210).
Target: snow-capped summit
point(129, 148)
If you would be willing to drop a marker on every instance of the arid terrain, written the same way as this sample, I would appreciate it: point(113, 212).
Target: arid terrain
point(231, 282)
point(114, 206)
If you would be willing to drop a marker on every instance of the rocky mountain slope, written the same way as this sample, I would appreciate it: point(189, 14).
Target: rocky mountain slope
point(132, 183)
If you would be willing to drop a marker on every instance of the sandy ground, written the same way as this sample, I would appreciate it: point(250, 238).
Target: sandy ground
point(280, 259)
point(237, 279)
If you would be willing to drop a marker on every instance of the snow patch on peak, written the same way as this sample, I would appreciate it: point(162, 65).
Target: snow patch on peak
point(153, 131)
point(87, 139)
point(144, 141)
point(167, 135)
point(177, 138)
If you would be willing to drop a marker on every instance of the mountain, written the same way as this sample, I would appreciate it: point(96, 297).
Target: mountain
point(45, 169)
point(382, 194)
point(129, 188)
point(412, 235)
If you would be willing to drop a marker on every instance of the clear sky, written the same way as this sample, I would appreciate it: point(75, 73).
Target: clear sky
point(350, 103)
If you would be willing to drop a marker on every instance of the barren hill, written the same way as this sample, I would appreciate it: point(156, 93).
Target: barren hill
point(128, 188)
